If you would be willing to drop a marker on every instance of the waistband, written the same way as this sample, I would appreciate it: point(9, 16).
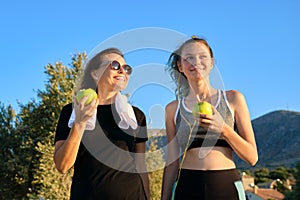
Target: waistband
point(210, 176)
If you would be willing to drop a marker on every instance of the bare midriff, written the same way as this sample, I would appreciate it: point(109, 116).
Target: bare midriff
point(209, 158)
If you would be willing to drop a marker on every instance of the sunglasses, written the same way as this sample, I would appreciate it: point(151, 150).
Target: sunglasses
point(115, 65)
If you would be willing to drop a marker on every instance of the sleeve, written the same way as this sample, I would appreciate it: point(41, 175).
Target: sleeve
point(141, 134)
point(62, 128)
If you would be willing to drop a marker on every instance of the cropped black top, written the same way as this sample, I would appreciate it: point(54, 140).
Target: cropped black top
point(186, 125)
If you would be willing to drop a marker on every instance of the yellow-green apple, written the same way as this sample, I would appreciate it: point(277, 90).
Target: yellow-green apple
point(90, 93)
point(202, 107)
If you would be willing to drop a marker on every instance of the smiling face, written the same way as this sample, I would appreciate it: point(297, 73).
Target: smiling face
point(196, 61)
point(108, 78)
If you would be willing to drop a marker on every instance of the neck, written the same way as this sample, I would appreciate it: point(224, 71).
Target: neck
point(200, 91)
point(106, 97)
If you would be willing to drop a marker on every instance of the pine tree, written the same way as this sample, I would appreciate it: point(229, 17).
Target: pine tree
point(11, 166)
point(27, 138)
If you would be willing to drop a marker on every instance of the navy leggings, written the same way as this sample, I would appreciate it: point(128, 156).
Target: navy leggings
point(209, 185)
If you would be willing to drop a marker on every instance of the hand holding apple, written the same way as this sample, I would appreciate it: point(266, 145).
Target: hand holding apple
point(90, 93)
point(202, 107)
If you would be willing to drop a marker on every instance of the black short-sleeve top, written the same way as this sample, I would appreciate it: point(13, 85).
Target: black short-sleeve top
point(96, 177)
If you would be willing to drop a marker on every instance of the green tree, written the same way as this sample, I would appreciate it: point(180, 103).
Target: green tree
point(155, 164)
point(44, 180)
point(295, 193)
point(297, 177)
point(281, 173)
point(261, 175)
point(11, 165)
point(27, 139)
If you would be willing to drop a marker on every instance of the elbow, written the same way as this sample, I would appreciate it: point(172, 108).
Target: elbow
point(61, 170)
point(60, 167)
point(253, 157)
point(253, 161)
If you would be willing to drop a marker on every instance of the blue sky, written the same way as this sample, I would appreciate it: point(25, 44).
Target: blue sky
point(256, 44)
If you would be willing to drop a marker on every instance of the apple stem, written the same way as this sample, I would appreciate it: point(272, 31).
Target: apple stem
point(198, 98)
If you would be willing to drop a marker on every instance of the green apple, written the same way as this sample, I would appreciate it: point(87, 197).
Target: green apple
point(202, 107)
point(86, 92)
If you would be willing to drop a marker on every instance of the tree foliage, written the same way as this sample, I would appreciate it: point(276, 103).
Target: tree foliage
point(27, 139)
point(45, 181)
point(12, 169)
point(281, 173)
point(155, 163)
point(297, 177)
point(262, 175)
point(295, 193)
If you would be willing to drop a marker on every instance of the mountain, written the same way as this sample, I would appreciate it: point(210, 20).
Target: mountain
point(277, 136)
point(278, 139)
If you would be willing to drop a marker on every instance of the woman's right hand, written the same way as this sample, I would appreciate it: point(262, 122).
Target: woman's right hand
point(84, 112)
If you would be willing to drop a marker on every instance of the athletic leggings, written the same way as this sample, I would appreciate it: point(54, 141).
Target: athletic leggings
point(209, 185)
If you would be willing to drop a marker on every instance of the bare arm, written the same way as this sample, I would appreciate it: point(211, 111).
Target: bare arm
point(140, 160)
point(65, 151)
point(172, 162)
point(243, 142)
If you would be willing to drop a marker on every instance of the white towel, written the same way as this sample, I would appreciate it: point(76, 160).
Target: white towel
point(124, 110)
point(90, 124)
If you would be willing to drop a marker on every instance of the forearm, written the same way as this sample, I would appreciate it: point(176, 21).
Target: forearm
point(66, 153)
point(169, 178)
point(246, 150)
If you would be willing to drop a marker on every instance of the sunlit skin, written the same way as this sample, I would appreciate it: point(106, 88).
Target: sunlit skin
point(110, 81)
point(196, 63)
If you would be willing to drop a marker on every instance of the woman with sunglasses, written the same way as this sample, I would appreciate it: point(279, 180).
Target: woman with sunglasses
point(206, 169)
point(108, 160)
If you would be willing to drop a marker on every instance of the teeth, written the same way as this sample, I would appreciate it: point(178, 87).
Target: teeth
point(120, 78)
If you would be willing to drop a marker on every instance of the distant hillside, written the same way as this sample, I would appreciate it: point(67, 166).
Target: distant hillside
point(277, 135)
point(278, 139)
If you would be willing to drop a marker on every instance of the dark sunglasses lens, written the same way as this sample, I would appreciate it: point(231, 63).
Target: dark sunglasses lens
point(115, 65)
point(127, 69)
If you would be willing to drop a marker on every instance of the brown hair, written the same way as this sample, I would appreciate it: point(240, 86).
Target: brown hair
point(178, 77)
point(94, 63)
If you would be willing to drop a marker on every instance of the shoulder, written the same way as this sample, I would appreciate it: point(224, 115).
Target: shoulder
point(139, 114)
point(141, 119)
point(67, 109)
point(172, 106)
point(65, 112)
point(236, 100)
point(234, 96)
point(68, 106)
point(170, 110)
point(137, 110)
